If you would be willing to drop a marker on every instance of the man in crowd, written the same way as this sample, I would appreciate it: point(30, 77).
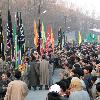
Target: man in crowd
point(3, 84)
point(33, 74)
point(44, 73)
point(17, 89)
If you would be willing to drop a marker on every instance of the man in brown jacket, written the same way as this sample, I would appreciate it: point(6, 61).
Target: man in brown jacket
point(44, 73)
point(17, 89)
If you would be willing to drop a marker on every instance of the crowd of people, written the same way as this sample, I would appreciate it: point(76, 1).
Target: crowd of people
point(79, 76)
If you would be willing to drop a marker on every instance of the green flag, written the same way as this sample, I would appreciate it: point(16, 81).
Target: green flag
point(91, 38)
point(83, 36)
point(15, 40)
point(94, 37)
point(43, 36)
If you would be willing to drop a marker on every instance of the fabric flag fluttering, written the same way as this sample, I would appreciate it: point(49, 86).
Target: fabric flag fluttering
point(18, 38)
point(52, 39)
point(10, 44)
point(1, 39)
point(43, 36)
point(22, 37)
point(15, 39)
point(79, 38)
point(94, 38)
point(91, 38)
point(83, 36)
point(35, 35)
point(39, 37)
point(48, 40)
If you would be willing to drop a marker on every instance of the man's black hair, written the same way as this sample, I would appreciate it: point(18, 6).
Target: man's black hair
point(77, 58)
point(68, 82)
point(77, 65)
point(33, 57)
point(53, 96)
point(98, 87)
point(94, 78)
point(17, 74)
point(97, 61)
point(8, 74)
point(70, 66)
point(78, 71)
point(43, 56)
point(89, 68)
point(85, 61)
point(62, 85)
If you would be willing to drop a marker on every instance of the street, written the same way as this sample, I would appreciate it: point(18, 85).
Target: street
point(41, 94)
point(37, 95)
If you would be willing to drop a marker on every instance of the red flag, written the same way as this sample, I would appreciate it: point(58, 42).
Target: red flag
point(48, 41)
point(52, 39)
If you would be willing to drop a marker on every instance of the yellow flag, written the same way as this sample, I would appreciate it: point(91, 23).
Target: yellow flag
point(79, 38)
point(35, 35)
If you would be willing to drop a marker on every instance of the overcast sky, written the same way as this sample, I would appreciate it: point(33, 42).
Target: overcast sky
point(89, 5)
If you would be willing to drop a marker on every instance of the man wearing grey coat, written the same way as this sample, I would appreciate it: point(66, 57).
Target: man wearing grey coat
point(33, 74)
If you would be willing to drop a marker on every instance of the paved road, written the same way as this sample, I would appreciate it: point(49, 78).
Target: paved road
point(41, 94)
point(37, 95)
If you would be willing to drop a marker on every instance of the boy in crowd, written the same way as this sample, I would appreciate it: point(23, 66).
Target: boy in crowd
point(17, 89)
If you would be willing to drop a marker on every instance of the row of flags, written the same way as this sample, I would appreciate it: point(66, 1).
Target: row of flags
point(15, 39)
point(15, 44)
point(91, 38)
point(43, 40)
point(20, 37)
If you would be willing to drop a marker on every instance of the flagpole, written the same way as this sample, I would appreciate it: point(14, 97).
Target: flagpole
point(8, 4)
point(0, 35)
point(15, 45)
point(39, 36)
point(65, 32)
point(11, 45)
